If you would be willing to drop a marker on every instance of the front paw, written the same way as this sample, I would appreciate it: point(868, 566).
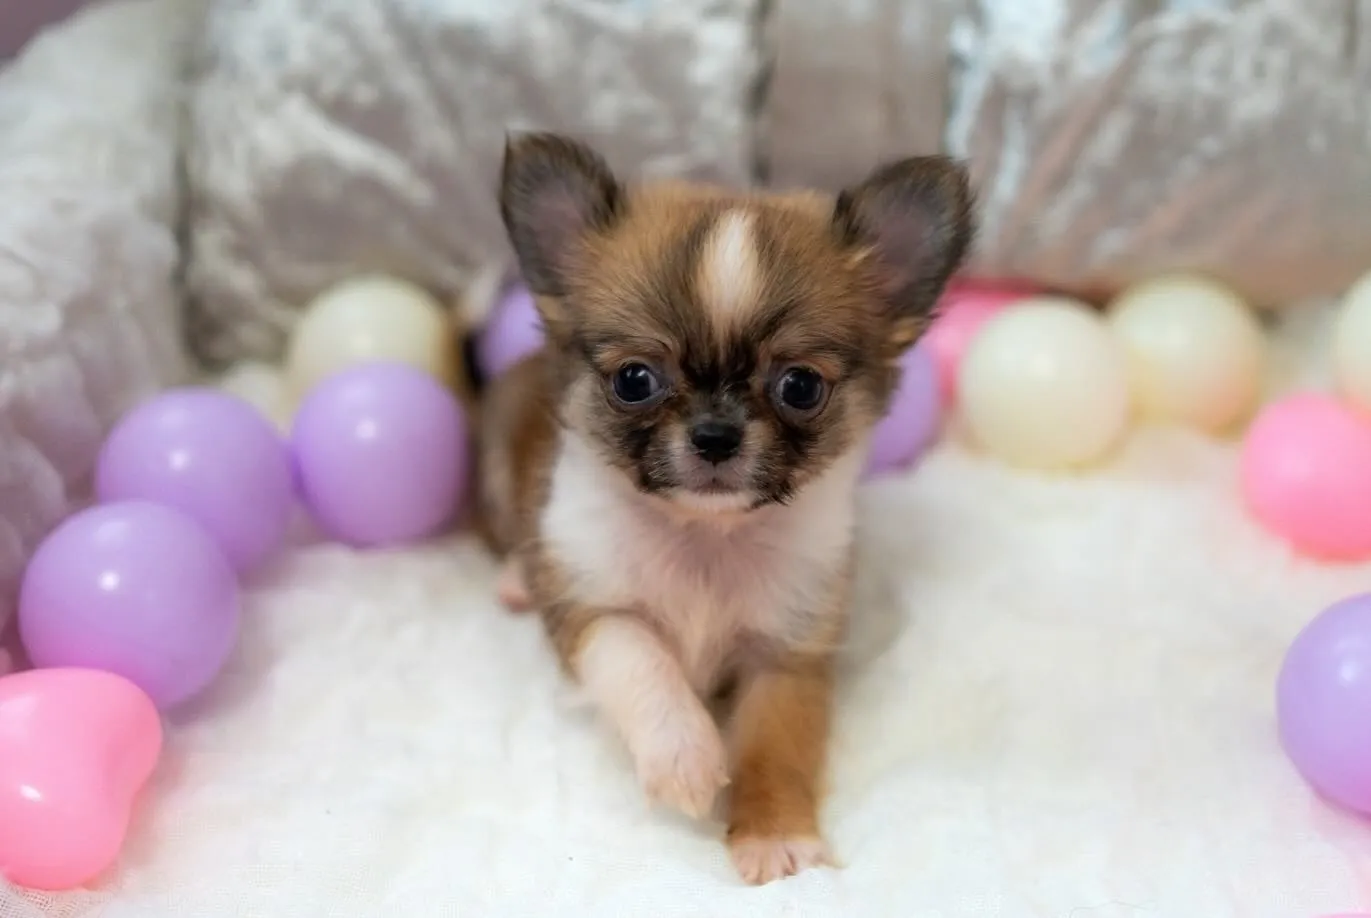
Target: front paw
point(764, 859)
point(683, 764)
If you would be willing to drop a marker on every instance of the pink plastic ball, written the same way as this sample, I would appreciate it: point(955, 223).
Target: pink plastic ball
point(133, 588)
point(1323, 703)
point(912, 422)
point(1306, 475)
point(381, 455)
point(514, 331)
point(964, 308)
point(211, 456)
point(76, 748)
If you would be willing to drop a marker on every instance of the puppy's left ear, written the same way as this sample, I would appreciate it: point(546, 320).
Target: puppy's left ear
point(913, 220)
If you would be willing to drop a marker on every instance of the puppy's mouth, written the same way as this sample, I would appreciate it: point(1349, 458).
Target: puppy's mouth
point(714, 488)
point(718, 501)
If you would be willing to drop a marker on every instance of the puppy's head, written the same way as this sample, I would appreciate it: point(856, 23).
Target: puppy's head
point(724, 349)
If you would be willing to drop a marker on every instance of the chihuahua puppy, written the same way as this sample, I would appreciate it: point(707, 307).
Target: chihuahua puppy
point(671, 479)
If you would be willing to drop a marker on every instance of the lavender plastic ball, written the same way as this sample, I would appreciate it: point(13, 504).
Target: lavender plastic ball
point(212, 456)
point(914, 418)
point(381, 455)
point(514, 331)
point(1323, 703)
point(133, 588)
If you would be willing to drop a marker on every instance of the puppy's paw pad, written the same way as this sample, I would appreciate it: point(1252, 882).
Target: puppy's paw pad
point(762, 860)
point(685, 769)
point(512, 589)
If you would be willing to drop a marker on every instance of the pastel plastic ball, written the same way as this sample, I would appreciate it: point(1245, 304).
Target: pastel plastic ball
point(381, 455)
point(76, 748)
point(1323, 703)
point(262, 386)
point(371, 319)
point(964, 308)
point(1352, 344)
point(514, 331)
point(1196, 353)
point(212, 456)
point(1306, 475)
point(912, 422)
point(1044, 386)
point(133, 588)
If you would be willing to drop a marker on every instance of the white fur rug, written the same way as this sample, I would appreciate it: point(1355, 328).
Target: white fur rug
point(1060, 704)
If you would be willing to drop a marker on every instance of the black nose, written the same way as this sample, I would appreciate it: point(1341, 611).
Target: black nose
point(716, 441)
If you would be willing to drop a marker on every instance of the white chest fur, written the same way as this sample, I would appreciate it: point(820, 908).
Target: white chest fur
point(705, 581)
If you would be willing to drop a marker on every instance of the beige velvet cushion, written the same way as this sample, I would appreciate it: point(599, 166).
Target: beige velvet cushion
point(328, 139)
point(88, 312)
point(1110, 140)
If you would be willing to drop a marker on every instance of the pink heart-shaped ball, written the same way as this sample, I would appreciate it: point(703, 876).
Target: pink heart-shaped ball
point(76, 747)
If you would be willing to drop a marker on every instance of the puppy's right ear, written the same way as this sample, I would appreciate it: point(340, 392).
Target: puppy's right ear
point(553, 191)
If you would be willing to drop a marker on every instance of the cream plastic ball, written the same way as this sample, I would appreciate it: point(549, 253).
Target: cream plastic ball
point(1352, 344)
point(370, 319)
point(262, 386)
point(1044, 385)
point(1195, 350)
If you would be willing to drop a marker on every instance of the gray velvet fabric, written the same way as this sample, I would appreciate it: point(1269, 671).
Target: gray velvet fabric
point(1114, 138)
point(331, 138)
point(854, 85)
point(1110, 138)
point(88, 308)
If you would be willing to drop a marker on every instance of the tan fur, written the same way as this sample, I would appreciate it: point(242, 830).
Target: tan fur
point(669, 583)
point(779, 737)
point(517, 429)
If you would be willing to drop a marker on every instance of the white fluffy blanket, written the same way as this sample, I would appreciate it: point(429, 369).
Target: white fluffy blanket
point(1060, 704)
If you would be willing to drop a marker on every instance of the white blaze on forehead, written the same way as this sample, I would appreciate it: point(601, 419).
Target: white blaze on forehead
point(730, 279)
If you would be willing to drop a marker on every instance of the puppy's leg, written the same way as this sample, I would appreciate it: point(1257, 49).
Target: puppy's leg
point(639, 685)
point(779, 735)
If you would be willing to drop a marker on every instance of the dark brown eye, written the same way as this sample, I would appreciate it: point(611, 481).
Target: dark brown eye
point(800, 389)
point(635, 383)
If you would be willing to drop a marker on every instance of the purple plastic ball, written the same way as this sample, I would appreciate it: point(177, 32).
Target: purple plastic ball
point(1323, 703)
point(133, 588)
point(381, 455)
point(211, 456)
point(513, 331)
point(914, 418)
